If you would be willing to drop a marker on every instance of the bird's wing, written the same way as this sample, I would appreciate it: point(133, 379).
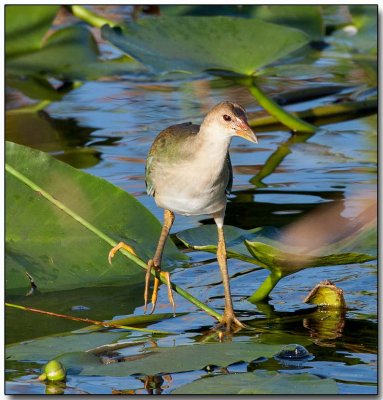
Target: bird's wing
point(230, 182)
point(148, 180)
point(164, 147)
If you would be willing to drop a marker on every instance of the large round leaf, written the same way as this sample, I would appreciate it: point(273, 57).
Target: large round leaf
point(307, 18)
point(260, 382)
point(58, 250)
point(201, 43)
point(26, 27)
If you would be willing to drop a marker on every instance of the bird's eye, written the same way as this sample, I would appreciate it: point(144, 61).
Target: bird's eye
point(227, 117)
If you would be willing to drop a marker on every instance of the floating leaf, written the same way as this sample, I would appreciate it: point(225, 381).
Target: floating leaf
point(200, 43)
point(205, 238)
point(260, 382)
point(306, 18)
point(133, 320)
point(261, 246)
point(68, 54)
point(184, 358)
point(46, 348)
point(26, 27)
point(61, 250)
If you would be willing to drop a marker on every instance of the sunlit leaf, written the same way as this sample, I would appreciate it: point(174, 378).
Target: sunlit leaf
point(56, 249)
point(260, 382)
point(200, 43)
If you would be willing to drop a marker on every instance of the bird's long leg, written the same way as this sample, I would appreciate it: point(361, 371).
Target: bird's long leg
point(156, 263)
point(229, 320)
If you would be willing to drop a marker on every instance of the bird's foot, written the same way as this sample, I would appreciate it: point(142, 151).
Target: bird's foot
point(116, 248)
point(229, 324)
point(156, 285)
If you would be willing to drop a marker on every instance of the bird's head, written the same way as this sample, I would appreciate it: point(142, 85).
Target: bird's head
point(230, 119)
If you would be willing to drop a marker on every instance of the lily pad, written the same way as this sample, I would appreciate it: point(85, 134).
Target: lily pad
point(26, 26)
point(201, 43)
point(307, 18)
point(205, 238)
point(260, 382)
point(46, 348)
point(262, 247)
point(58, 249)
point(67, 54)
point(184, 358)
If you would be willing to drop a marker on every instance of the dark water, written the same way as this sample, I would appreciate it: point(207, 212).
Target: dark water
point(107, 127)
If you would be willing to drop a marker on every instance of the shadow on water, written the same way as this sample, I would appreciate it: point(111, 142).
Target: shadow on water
point(98, 303)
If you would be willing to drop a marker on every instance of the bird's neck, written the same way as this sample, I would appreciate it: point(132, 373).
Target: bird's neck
point(212, 142)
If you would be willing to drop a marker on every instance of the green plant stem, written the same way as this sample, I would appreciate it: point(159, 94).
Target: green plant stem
point(290, 120)
point(266, 287)
point(90, 17)
point(276, 158)
point(87, 320)
point(331, 110)
point(30, 109)
point(108, 239)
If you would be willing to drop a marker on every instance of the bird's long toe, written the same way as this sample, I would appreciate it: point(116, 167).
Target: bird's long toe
point(170, 292)
point(230, 324)
point(147, 283)
point(119, 246)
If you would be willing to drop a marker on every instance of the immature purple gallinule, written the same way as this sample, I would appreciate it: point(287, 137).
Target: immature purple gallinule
point(188, 171)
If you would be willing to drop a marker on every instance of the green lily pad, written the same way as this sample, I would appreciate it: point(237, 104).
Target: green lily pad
point(306, 18)
point(26, 27)
point(260, 382)
point(205, 238)
point(68, 54)
point(58, 249)
point(46, 348)
point(153, 361)
point(184, 358)
point(35, 87)
point(63, 55)
point(261, 246)
point(200, 43)
point(132, 320)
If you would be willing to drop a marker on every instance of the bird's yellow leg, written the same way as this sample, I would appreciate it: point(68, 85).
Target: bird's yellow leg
point(156, 263)
point(115, 249)
point(229, 320)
